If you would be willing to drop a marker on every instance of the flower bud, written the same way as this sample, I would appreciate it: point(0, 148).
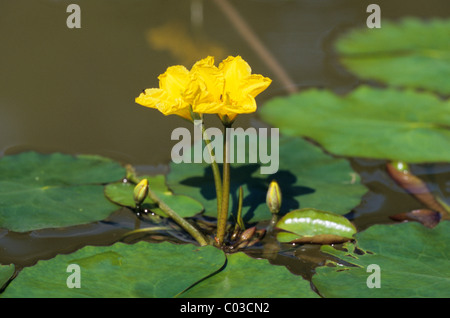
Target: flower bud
point(141, 192)
point(273, 198)
point(400, 166)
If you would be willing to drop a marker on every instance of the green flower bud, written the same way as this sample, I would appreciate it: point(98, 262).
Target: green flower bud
point(400, 166)
point(141, 192)
point(273, 198)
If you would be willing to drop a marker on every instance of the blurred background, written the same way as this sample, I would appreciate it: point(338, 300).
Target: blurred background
point(73, 90)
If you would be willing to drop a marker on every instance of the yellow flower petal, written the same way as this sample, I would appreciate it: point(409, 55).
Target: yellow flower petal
point(207, 61)
point(168, 98)
point(183, 112)
point(234, 69)
point(174, 80)
point(247, 105)
point(205, 71)
point(162, 101)
point(227, 90)
point(255, 84)
point(206, 87)
point(208, 108)
point(241, 87)
point(151, 97)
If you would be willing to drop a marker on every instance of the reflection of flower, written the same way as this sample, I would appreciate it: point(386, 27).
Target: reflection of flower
point(186, 47)
point(227, 90)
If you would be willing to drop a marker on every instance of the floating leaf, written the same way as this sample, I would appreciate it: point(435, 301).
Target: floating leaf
point(6, 272)
point(246, 277)
point(411, 53)
point(122, 193)
point(368, 122)
point(120, 270)
point(44, 191)
point(412, 261)
point(307, 177)
point(314, 226)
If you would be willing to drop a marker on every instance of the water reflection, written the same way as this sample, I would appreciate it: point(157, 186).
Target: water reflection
point(73, 90)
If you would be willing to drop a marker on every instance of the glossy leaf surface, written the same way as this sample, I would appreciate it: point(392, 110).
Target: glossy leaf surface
point(411, 53)
point(44, 191)
point(314, 226)
point(412, 261)
point(367, 122)
point(120, 270)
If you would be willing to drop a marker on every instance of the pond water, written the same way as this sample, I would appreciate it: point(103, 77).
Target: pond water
point(72, 90)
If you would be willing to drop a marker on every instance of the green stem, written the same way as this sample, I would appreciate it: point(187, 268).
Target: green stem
point(273, 222)
point(240, 221)
point(154, 229)
point(215, 170)
point(446, 208)
point(214, 165)
point(223, 216)
point(181, 221)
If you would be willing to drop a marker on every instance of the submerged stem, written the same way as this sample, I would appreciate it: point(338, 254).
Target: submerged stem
point(154, 229)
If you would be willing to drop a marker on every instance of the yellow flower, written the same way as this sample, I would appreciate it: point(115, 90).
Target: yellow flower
point(205, 87)
point(237, 95)
point(227, 90)
point(169, 97)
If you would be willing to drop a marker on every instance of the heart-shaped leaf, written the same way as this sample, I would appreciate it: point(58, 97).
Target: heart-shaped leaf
point(402, 260)
point(307, 176)
point(368, 122)
point(6, 272)
point(44, 191)
point(410, 53)
point(122, 193)
point(251, 278)
point(120, 270)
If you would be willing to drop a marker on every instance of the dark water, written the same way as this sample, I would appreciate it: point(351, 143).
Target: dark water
point(73, 90)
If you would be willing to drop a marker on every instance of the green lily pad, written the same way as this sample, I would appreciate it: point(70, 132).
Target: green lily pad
point(307, 176)
point(405, 260)
point(45, 191)
point(246, 277)
point(314, 226)
point(6, 272)
point(122, 193)
point(411, 53)
point(120, 270)
point(368, 122)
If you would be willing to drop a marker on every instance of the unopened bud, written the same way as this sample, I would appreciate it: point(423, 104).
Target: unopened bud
point(273, 198)
point(141, 192)
point(400, 166)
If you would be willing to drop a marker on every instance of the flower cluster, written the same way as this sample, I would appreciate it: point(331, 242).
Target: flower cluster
point(227, 90)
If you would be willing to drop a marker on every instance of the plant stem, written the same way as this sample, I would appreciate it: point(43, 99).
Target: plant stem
point(445, 206)
point(240, 221)
point(131, 175)
point(181, 221)
point(155, 229)
point(223, 215)
point(215, 170)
